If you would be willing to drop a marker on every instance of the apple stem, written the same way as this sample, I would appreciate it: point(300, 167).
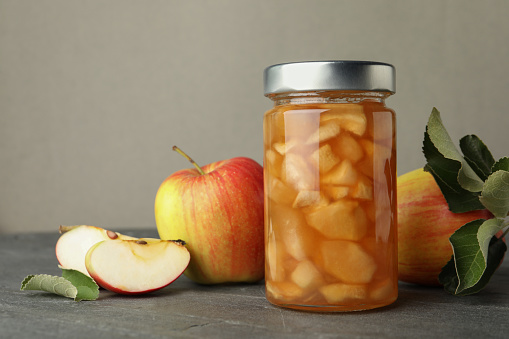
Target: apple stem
point(179, 151)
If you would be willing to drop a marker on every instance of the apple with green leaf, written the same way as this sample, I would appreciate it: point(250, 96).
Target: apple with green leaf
point(136, 266)
point(218, 211)
point(471, 180)
point(75, 241)
point(425, 225)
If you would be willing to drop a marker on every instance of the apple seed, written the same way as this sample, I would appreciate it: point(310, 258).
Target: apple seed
point(141, 242)
point(111, 234)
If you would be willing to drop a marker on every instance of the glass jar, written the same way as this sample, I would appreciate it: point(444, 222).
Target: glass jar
point(330, 186)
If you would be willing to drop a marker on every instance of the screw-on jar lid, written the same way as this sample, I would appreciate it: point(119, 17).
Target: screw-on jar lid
point(329, 75)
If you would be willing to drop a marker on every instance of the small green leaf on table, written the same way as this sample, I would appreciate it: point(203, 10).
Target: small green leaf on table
point(72, 284)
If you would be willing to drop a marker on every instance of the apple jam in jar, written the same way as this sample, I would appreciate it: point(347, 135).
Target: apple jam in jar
point(330, 186)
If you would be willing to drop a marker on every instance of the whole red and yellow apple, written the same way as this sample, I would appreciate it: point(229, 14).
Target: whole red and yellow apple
point(217, 210)
point(425, 224)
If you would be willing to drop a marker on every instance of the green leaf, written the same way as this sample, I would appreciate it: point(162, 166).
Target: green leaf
point(458, 200)
point(469, 260)
point(472, 181)
point(438, 135)
point(486, 232)
point(445, 171)
point(477, 155)
point(495, 193)
point(470, 245)
point(449, 278)
point(501, 164)
point(73, 284)
point(496, 253)
point(87, 288)
point(49, 283)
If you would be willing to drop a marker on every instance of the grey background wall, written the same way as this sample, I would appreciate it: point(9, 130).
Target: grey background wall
point(93, 94)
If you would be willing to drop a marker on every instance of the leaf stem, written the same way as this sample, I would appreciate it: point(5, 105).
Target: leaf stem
point(179, 151)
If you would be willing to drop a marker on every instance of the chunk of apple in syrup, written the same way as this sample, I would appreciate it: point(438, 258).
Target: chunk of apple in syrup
point(74, 243)
point(348, 261)
point(324, 159)
point(325, 132)
point(136, 266)
point(343, 219)
point(352, 119)
point(342, 175)
point(306, 275)
point(339, 292)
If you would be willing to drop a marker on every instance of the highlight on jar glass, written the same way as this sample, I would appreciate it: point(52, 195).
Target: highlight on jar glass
point(330, 186)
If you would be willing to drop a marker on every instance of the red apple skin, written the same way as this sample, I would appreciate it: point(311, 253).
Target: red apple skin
point(220, 217)
point(425, 224)
point(111, 288)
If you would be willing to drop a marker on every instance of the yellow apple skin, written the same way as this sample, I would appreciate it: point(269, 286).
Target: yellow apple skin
point(425, 224)
point(220, 217)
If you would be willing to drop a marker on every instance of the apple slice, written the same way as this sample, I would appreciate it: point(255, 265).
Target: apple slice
point(337, 192)
point(310, 198)
point(326, 131)
point(280, 192)
point(297, 172)
point(348, 261)
point(136, 266)
point(348, 148)
point(339, 292)
point(306, 275)
point(343, 219)
point(324, 159)
point(353, 119)
point(283, 290)
point(342, 175)
point(73, 244)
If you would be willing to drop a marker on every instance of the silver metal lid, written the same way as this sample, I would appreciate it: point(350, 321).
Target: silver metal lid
point(329, 75)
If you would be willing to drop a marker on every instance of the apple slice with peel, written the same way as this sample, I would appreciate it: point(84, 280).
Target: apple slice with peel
point(136, 266)
point(74, 243)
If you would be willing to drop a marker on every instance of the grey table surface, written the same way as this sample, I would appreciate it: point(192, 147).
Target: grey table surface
point(188, 310)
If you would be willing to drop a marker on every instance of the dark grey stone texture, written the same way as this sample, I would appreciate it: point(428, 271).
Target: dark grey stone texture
point(187, 310)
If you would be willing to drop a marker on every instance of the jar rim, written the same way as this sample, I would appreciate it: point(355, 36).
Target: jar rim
point(332, 75)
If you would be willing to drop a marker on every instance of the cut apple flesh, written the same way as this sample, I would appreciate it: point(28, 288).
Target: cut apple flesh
point(74, 243)
point(324, 159)
point(352, 119)
point(336, 293)
point(348, 261)
point(349, 220)
point(325, 132)
point(327, 183)
point(136, 266)
point(306, 275)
